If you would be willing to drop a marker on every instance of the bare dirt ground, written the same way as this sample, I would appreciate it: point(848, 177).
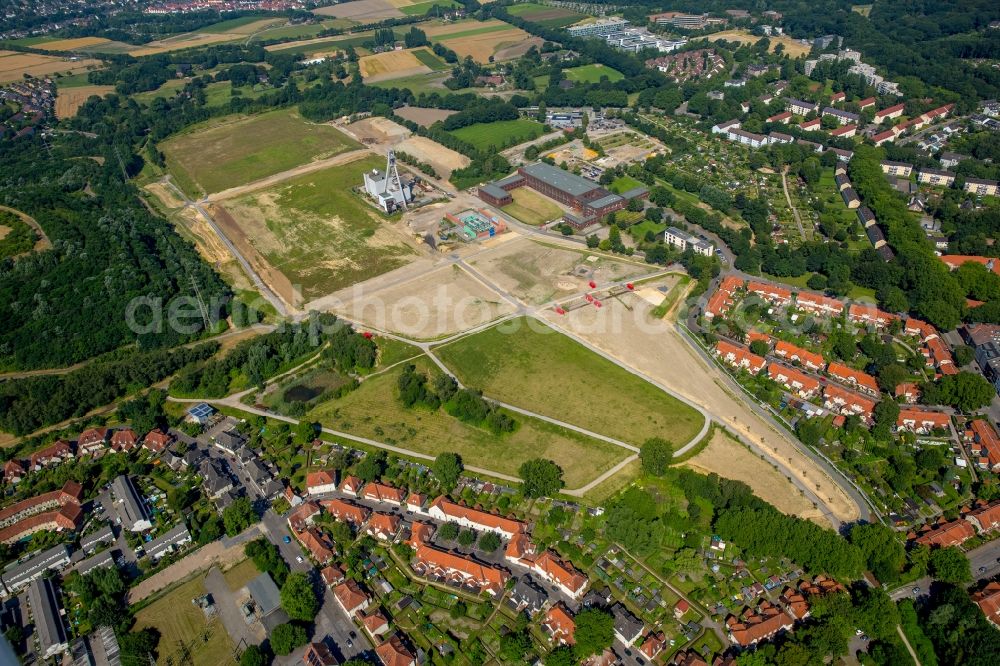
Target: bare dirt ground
point(442, 302)
point(194, 227)
point(423, 116)
point(272, 277)
point(164, 194)
point(43, 242)
point(731, 459)
point(70, 99)
point(211, 554)
point(535, 273)
point(444, 160)
point(361, 9)
point(377, 130)
point(416, 268)
point(655, 347)
point(518, 50)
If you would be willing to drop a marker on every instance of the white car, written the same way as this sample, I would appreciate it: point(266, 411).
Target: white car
point(298, 558)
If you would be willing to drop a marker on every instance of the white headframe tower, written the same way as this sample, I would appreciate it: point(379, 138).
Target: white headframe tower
point(392, 179)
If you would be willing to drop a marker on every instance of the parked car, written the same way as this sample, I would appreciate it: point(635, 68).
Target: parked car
point(286, 539)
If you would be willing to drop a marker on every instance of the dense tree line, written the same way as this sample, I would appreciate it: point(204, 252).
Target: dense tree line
point(33, 402)
point(465, 404)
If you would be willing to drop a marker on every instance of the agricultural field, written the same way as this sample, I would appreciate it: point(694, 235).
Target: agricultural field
point(593, 73)
point(302, 30)
point(316, 232)
point(365, 11)
point(421, 8)
point(479, 39)
point(550, 17)
point(529, 365)
point(430, 433)
point(185, 635)
point(14, 65)
point(793, 48)
point(500, 134)
point(397, 64)
point(439, 303)
point(216, 155)
point(70, 99)
point(537, 273)
point(419, 83)
point(74, 44)
point(423, 116)
point(532, 208)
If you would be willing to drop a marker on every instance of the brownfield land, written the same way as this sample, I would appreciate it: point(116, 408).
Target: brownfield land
point(423, 116)
point(444, 160)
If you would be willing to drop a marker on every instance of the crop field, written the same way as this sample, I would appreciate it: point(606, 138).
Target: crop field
point(581, 458)
point(14, 65)
point(327, 44)
point(793, 48)
point(302, 30)
point(593, 73)
point(532, 208)
point(216, 155)
point(536, 273)
point(418, 83)
point(550, 17)
point(73, 44)
point(318, 233)
point(421, 8)
point(364, 11)
point(528, 364)
point(479, 39)
point(396, 64)
point(70, 99)
point(181, 623)
point(499, 134)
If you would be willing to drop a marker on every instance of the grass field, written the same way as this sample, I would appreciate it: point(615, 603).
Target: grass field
point(624, 184)
point(500, 134)
point(217, 155)
point(302, 30)
point(317, 232)
point(422, 8)
point(237, 25)
point(531, 207)
point(418, 83)
point(550, 17)
point(581, 458)
point(536, 368)
point(593, 73)
point(427, 57)
point(793, 48)
point(181, 623)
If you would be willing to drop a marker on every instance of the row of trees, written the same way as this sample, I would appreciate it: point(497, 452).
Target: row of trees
point(465, 404)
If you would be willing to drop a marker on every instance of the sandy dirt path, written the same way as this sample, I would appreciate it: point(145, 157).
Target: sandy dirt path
point(655, 347)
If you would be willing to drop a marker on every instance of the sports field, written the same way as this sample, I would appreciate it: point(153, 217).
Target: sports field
point(593, 73)
point(318, 233)
point(530, 365)
point(237, 149)
point(423, 431)
point(499, 134)
point(532, 208)
point(185, 635)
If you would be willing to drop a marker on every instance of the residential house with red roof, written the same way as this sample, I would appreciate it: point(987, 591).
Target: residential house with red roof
point(374, 622)
point(156, 441)
point(351, 486)
point(53, 454)
point(985, 437)
point(383, 526)
point(739, 356)
point(457, 569)
point(444, 509)
point(938, 355)
point(754, 626)
point(919, 329)
point(415, 502)
point(784, 117)
point(52, 511)
point(793, 380)
point(887, 136)
point(921, 421)
point(654, 643)
point(792, 352)
point(559, 625)
point(943, 535)
point(845, 132)
point(770, 292)
point(321, 481)
point(380, 492)
point(346, 512)
point(866, 103)
point(908, 391)
point(985, 518)
point(718, 304)
point(332, 575)
point(317, 543)
point(351, 597)
point(818, 304)
point(682, 606)
point(13, 471)
point(869, 315)
point(859, 380)
point(560, 573)
point(795, 603)
point(318, 654)
point(394, 653)
point(894, 111)
point(92, 441)
point(847, 402)
point(421, 533)
point(988, 600)
point(953, 261)
point(124, 439)
point(303, 516)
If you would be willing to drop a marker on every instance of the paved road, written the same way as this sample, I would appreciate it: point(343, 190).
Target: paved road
point(986, 557)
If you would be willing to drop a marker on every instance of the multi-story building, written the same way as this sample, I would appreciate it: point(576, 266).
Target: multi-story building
point(935, 177)
point(683, 240)
point(600, 27)
point(981, 187)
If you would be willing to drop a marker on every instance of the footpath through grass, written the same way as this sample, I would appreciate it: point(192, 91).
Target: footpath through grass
point(373, 410)
point(527, 364)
